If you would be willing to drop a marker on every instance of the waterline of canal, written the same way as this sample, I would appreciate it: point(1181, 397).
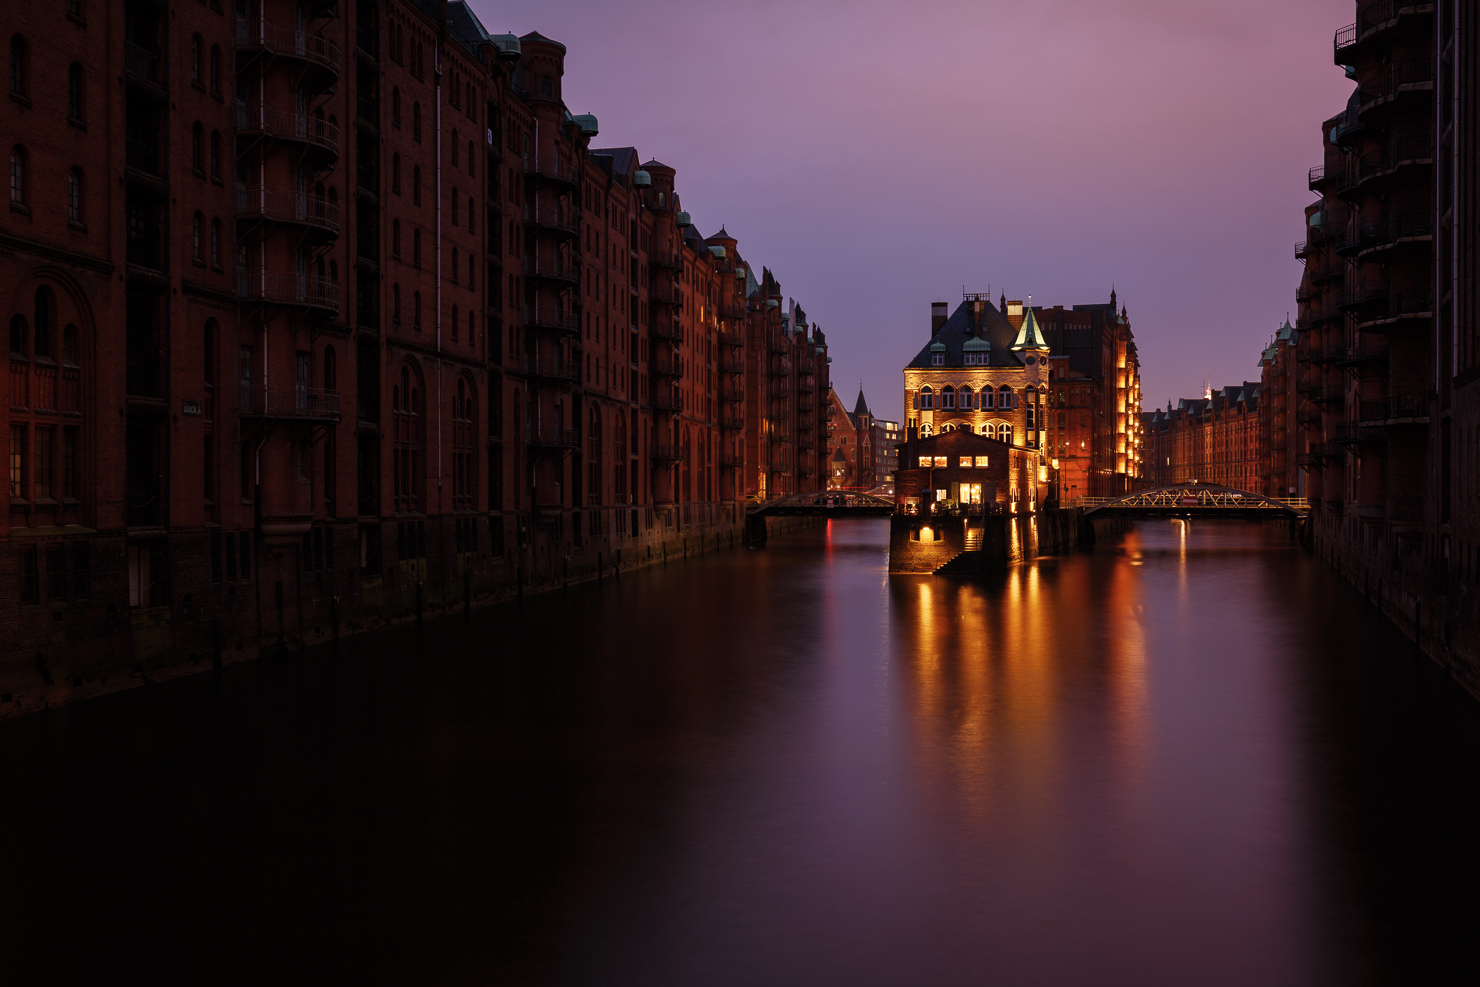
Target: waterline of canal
point(1191, 756)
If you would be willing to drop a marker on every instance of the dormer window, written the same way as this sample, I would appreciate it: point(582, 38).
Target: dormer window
point(937, 359)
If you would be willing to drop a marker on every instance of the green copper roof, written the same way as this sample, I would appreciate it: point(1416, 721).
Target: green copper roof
point(976, 344)
point(1029, 337)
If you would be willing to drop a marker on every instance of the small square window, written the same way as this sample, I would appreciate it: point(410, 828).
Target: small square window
point(924, 462)
point(942, 461)
point(966, 462)
point(981, 462)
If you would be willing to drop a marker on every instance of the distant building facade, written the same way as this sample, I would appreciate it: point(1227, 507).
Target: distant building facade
point(1215, 439)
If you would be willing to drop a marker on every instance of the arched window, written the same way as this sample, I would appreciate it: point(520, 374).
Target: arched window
point(396, 173)
point(395, 238)
point(455, 323)
point(197, 143)
point(965, 398)
point(456, 201)
point(396, 107)
point(19, 333)
point(948, 427)
point(416, 311)
point(464, 432)
point(74, 196)
point(41, 321)
point(472, 271)
point(989, 430)
point(216, 68)
point(416, 121)
point(197, 237)
point(406, 456)
point(472, 335)
point(18, 54)
point(593, 457)
point(472, 216)
point(416, 184)
point(396, 304)
point(215, 154)
point(546, 88)
point(948, 398)
point(18, 175)
point(454, 147)
point(215, 243)
point(925, 430)
point(416, 247)
point(197, 44)
point(74, 92)
point(331, 369)
point(1004, 434)
point(1005, 398)
point(472, 168)
point(927, 398)
point(454, 265)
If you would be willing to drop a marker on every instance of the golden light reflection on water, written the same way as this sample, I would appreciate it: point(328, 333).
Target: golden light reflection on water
point(1011, 679)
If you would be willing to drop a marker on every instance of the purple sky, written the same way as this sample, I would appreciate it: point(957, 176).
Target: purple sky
point(879, 156)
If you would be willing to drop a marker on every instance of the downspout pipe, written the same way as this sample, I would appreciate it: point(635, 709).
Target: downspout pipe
point(437, 80)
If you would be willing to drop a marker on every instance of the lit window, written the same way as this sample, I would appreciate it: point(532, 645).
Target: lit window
point(924, 462)
point(981, 462)
point(966, 462)
point(942, 460)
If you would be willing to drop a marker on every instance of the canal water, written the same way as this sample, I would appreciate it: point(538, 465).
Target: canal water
point(1187, 757)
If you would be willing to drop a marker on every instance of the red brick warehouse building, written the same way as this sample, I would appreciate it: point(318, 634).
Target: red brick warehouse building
point(321, 312)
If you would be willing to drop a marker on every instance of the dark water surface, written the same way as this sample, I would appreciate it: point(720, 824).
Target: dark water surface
point(1193, 760)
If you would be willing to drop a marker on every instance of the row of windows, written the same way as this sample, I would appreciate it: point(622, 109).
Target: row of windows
point(20, 185)
point(992, 430)
point(966, 399)
point(20, 83)
point(964, 462)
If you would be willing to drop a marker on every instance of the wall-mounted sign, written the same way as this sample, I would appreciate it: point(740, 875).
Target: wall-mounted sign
point(191, 408)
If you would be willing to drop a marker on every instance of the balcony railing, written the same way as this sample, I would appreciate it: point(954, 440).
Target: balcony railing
point(731, 393)
point(309, 290)
point(667, 452)
point(732, 421)
point(669, 329)
point(664, 293)
point(1410, 226)
point(556, 171)
point(550, 269)
point(141, 63)
point(550, 317)
point(551, 218)
point(276, 122)
point(1395, 409)
point(779, 367)
point(550, 436)
point(1396, 306)
point(664, 365)
point(732, 364)
point(731, 337)
point(551, 367)
point(665, 259)
point(1409, 72)
point(287, 41)
point(306, 403)
point(285, 206)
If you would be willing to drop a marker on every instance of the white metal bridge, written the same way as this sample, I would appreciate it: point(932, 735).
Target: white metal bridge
point(1195, 500)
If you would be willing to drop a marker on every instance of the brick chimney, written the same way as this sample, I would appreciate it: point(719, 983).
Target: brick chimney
point(938, 316)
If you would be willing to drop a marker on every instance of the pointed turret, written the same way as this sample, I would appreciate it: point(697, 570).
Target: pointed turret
point(1029, 337)
point(860, 407)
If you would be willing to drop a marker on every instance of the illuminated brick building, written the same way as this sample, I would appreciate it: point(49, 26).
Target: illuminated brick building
point(326, 312)
point(1063, 383)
